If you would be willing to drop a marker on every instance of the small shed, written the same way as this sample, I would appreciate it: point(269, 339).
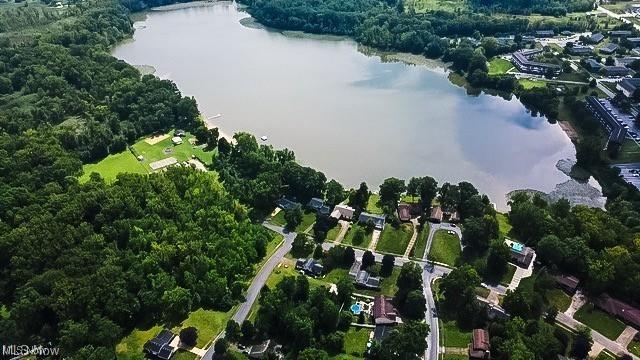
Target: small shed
point(176, 140)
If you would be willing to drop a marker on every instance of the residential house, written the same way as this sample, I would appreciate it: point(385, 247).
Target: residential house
point(454, 217)
point(622, 310)
point(383, 312)
point(568, 283)
point(479, 348)
point(318, 206)
point(160, 346)
point(362, 278)
point(378, 220)
point(628, 86)
point(566, 33)
point(596, 38)
point(609, 49)
point(620, 33)
point(310, 267)
point(522, 255)
point(286, 204)
point(343, 212)
point(522, 60)
point(593, 65)
point(626, 61)
point(615, 71)
point(580, 50)
point(545, 33)
point(634, 41)
point(436, 214)
point(404, 212)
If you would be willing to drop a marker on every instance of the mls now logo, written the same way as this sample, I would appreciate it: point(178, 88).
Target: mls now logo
point(21, 350)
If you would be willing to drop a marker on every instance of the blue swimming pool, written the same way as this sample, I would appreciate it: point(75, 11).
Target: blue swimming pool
point(356, 309)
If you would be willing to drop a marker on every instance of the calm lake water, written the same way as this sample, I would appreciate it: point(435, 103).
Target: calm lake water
point(349, 115)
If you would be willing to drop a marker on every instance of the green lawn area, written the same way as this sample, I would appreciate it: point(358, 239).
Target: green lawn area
point(629, 152)
point(278, 219)
point(499, 66)
point(453, 336)
point(348, 237)
point(559, 299)
point(372, 205)
point(130, 348)
point(183, 355)
point(530, 84)
point(421, 242)
point(4, 312)
point(208, 322)
point(355, 341)
point(506, 278)
point(577, 76)
point(308, 218)
point(276, 240)
point(332, 234)
point(394, 240)
point(444, 5)
point(503, 223)
point(600, 321)
point(445, 248)
point(126, 161)
point(634, 347)
point(482, 291)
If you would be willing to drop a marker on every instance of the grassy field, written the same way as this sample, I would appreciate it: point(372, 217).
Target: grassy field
point(453, 336)
point(605, 355)
point(209, 324)
point(278, 219)
point(559, 299)
point(421, 242)
point(629, 152)
point(394, 240)
point(445, 248)
point(130, 348)
point(505, 226)
point(126, 161)
point(332, 234)
point(183, 355)
point(634, 347)
point(600, 321)
point(530, 84)
point(372, 205)
point(348, 237)
point(499, 66)
point(308, 218)
point(506, 278)
point(355, 341)
point(430, 5)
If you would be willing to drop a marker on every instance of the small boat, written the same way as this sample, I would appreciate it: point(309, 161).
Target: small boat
point(264, 138)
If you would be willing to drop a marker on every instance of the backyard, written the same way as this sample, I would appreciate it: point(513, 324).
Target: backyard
point(372, 205)
point(559, 299)
point(506, 278)
point(348, 237)
point(634, 347)
point(332, 234)
point(394, 240)
point(355, 341)
point(308, 218)
point(445, 248)
point(600, 321)
point(453, 336)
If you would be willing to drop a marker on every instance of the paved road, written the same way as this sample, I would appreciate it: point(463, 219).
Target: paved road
point(258, 281)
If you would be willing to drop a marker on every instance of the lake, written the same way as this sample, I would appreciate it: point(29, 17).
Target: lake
point(349, 115)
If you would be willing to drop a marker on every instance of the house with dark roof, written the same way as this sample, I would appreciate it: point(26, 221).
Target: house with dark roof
point(286, 204)
point(343, 212)
point(480, 347)
point(617, 133)
point(626, 61)
point(628, 86)
point(520, 254)
point(620, 33)
point(580, 50)
point(318, 206)
point(522, 60)
point(593, 65)
point(377, 220)
point(362, 278)
point(383, 311)
point(436, 214)
point(160, 346)
point(404, 212)
point(568, 283)
point(609, 49)
point(622, 310)
point(545, 33)
point(596, 38)
point(634, 41)
point(566, 33)
point(310, 267)
point(615, 71)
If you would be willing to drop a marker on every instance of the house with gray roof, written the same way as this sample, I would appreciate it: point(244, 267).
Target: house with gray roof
point(377, 220)
point(609, 49)
point(286, 204)
point(628, 86)
point(318, 206)
point(596, 38)
point(310, 267)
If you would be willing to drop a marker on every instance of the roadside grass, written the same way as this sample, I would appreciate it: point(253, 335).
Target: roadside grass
point(208, 322)
point(506, 278)
point(445, 248)
point(372, 205)
point(126, 161)
point(348, 237)
point(421, 242)
point(504, 225)
point(629, 153)
point(453, 336)
point(130, 347)
point(634, 347)
point(559, 299)
point(333, 233)
point(600, 321)
point(272, 245)
point(308, 218)
point(499, 66)
point(530, 84)
point(355, 341)
point(394, 240)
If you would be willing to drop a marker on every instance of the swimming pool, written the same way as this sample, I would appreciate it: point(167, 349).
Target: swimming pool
point(356, 309)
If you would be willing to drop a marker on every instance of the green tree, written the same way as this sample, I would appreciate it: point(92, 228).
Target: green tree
point(232, 331)
point(293, 217)
point(334, 193)
point(189, 336)
point(390, 191)
point(221, 346)
point(388, 262)
point(360, 198)
point(313, 354)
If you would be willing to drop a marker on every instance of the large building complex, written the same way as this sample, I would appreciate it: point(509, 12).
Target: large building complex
point(617, 133)
point(522, 60)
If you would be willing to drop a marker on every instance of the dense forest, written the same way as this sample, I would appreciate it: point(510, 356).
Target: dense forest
point(526, 7)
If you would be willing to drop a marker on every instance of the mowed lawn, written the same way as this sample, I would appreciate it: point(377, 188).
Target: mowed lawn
point(394, 240)
point(113, 165)
point(130, 348)
point(308, 218)
point(504, 225)
point(453, 336)
point(499, 66)
point(600, 321)
point(445, 248)
point(634, 347)
point(421, 242)
point(530, 84)
point(372, 205)
point(333, 233)
point(355, 341)
point(559, 299)
point(348, 237)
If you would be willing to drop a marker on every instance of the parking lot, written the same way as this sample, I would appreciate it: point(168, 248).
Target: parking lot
point(630, 173)
point(626, 120)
